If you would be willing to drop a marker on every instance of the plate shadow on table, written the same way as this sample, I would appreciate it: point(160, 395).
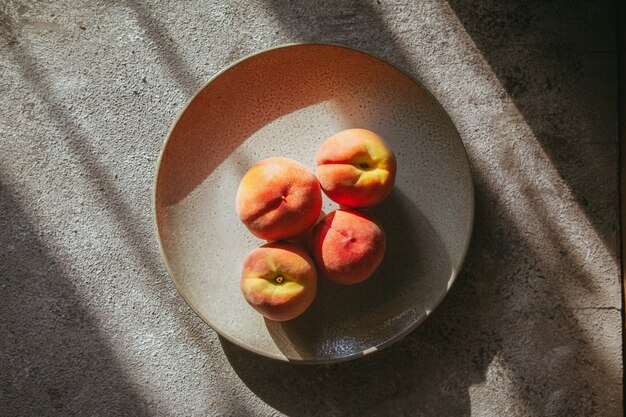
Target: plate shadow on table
point(345, 320)
point(423, 374)
point(431, 371)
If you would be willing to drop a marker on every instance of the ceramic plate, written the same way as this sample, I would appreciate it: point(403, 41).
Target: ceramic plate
point(285, 102)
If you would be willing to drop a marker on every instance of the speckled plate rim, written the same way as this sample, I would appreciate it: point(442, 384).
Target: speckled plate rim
point(420, 319)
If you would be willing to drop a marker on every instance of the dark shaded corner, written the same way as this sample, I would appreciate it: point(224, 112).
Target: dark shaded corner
point(557, 63)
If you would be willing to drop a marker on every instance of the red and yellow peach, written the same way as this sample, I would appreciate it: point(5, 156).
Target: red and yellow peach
point(278, 198)
point(347, 246)
point(279, 280)
point(356, 168)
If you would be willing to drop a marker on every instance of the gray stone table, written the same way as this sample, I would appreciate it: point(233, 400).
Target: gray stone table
point(90, 323)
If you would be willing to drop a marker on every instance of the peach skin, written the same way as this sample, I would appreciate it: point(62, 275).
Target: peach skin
point(304, 238)
point(347, 246)
point(279, 280)
point(278, 198)
point(356, 168)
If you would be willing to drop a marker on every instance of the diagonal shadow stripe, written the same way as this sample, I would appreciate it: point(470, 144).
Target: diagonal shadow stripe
point(54, 358)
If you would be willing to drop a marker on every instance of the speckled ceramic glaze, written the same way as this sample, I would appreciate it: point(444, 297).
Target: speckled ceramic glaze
point(285, 102)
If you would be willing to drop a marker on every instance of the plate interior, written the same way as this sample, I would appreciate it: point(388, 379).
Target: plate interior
point(286, 102)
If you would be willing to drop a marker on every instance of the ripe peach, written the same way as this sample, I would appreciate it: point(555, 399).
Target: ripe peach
point(356, 168)
point(278, 198)
point(347, 246)
point(279, 280)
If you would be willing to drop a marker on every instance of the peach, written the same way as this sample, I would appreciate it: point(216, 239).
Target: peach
point(278, 198)
point(356, 168)
point(347, 246)
point(279, 280)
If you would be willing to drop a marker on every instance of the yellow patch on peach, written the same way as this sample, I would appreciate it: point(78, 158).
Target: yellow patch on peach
point(279, 280)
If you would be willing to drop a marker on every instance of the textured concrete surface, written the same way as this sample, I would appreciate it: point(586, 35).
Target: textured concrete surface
point(90, 323)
